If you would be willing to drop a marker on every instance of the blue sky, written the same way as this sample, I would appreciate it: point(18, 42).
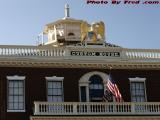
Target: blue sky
point(130, 26)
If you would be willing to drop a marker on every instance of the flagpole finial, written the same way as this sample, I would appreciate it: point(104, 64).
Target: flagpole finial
point(66, 11)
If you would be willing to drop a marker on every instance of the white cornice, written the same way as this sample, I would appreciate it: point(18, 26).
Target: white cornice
point(79, 64)
point(138, 79)
point(16, 77)
point(79, 57)
point(54, 78)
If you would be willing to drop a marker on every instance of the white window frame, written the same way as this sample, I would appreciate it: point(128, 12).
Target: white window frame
point(54, 79)
point(15, 77)
point(138, 79)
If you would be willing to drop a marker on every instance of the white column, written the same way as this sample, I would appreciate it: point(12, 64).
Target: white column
point(55, 33)
point(87, 93)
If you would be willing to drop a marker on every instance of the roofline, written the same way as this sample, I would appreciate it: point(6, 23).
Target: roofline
point(63, 21)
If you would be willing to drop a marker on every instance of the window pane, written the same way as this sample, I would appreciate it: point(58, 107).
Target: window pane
point(137, 86)
point(20, 99)
point(15, 91)
point(83, 93)
point(50, 92)
point(142, 99)
point(133, 99)
point(59, 91)
point(54, 99)
point(100, 86)
point(59, 99)
point(136, 92)
point(16, 106)
point(50, 99)
point(53, 85)
point(49, 84)
point(10, 84)
point(141, 92)
point(21, 84)
point(15, 84)
point(20, 92)
point(58, 85)
point(95, 86)
point(132, 86)
point(21, 107)
point(133, 92)
point(10, 98)
point(10, 91)
point(10, 105)
point(15, 98)
point(91, 86)
point(55, 91)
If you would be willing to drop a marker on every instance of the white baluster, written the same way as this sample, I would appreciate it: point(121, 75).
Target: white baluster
point(36, 109)
point(63, 52)
point(54, 52)
point(133, 106)
point(0, 51)
point(130, 55)
point(75, 108)
point(57, 51)
point(60, 53)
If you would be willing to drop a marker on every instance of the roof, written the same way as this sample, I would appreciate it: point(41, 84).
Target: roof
point(63, 20)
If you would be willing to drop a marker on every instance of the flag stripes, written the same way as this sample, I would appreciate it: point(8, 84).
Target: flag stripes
point(113, 88)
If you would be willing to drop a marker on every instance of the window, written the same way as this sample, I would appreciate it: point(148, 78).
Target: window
point(96, 90)
point(54, 89)
point(83, 94)
point(70, 34)
point(91, 86)
point(138, 89)
point(15, 93)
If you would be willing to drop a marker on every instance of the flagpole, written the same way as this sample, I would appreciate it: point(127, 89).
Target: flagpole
point(110, 68)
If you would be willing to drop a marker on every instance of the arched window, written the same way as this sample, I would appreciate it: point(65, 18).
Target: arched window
point(91, 86)
point(96, 88)
point(70, 34)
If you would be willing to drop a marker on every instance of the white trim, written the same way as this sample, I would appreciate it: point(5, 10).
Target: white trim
point(16, 110)
point(138, 79)
point(54, 78)
point(16, 77)
point(84, 81)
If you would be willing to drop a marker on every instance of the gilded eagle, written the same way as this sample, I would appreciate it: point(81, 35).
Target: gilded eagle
point(84, 30)
point(99, 29)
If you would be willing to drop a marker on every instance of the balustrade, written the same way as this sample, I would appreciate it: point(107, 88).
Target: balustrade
point(141, 54)
point(89, 108)
point(19, 51)
point(36, 51)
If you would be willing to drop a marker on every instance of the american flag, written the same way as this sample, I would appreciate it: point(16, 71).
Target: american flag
point(108, 96)
point(113, 88)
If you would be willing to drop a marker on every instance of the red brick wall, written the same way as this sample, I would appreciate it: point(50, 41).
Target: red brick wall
point(35, 86)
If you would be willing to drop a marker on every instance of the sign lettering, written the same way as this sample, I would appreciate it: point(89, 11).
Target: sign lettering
point(87, 53)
